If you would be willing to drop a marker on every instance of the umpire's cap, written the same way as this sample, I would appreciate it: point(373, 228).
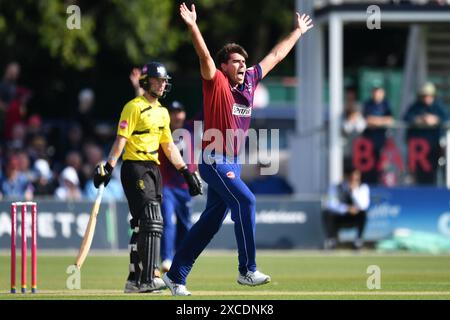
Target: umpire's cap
point(176, 106)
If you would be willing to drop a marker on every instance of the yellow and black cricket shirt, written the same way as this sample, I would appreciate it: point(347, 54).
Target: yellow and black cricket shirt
point(145, 125)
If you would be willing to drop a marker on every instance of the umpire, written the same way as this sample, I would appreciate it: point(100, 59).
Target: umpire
point(143, 127)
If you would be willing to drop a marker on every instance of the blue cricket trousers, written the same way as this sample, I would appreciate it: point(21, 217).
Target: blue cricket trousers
point(226, 191)
point(176, 202)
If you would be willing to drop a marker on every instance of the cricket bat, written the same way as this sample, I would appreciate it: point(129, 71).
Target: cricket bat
point(90, 229)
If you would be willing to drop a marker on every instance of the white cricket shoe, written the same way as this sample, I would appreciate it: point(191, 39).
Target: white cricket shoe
point(253, 278)
point(165, 265)
point(175, 288)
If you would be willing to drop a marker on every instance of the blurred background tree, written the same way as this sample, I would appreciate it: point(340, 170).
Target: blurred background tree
point(116, 35)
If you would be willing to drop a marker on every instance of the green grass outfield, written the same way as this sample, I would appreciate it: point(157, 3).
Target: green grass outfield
point(295, 275)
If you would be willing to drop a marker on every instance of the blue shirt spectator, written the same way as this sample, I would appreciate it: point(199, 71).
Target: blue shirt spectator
point(425, 118)
point(14, 183)
point(378, 115)
point(113, 191)
point(16, 187)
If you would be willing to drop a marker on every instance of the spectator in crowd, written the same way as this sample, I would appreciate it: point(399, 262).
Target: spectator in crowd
point(353, 123)
point(105, 136)
point(69, 188)
point(8, 84)
point(7, 91)
point(84, 115)
point(44, 185)
point(425, 118)
point(2, 159)
point(72, 141)
point(75, 138)
point(346, 207)
point(378, 115)
point(93, 155)
point(74, 160)
point(134, 79)
point(17, 141)
point(37, 148)
point(17, 111)
point(34, 126)
point(56, 141)
point(14, 183)
point(24, 165)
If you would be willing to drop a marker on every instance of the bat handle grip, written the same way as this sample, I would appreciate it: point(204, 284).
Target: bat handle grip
point(102, 169)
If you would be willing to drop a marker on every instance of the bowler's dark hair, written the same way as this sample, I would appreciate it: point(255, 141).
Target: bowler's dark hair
point(224, 54)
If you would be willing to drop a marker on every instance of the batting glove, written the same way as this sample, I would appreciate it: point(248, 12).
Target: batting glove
point(193, 181)
point(100, 178)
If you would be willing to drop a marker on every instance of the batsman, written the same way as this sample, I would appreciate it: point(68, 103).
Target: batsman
point(143, 127)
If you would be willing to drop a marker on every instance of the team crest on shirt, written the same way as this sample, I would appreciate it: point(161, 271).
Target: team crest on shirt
point(123, 124)
point(230, 175)
point(241, 111)
point(140, 185)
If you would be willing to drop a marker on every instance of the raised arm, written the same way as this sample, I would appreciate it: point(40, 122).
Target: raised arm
point(280, 51)
point(134, 79)
point(207, 66)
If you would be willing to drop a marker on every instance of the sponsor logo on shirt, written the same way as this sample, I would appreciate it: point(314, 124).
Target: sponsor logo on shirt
point(241, 110)
point(140, 185)
point(123, 124)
